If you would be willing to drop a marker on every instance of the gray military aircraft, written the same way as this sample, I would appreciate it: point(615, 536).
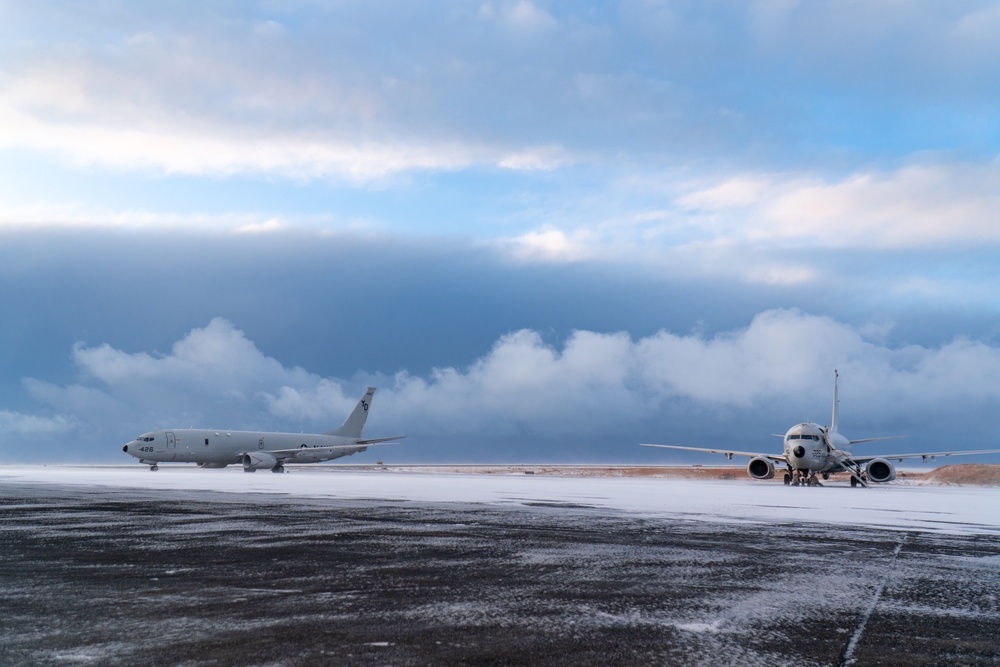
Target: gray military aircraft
point(811, 450)
point(255, 450)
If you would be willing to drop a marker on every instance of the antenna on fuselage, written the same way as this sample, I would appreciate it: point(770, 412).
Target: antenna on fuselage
point(833, 420)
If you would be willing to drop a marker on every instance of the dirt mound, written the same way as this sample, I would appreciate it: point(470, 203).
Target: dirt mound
point(976, 474)
point(970, 474)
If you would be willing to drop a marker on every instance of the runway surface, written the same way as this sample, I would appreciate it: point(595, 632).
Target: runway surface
point(117, 574)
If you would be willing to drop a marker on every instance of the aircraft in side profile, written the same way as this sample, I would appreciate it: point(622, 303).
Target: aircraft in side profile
point(811, 450)
point(256, 450)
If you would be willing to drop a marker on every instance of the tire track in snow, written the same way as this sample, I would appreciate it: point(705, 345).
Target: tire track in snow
point(847, 655)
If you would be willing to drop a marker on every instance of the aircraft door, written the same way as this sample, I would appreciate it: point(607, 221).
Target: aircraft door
point(171, 441)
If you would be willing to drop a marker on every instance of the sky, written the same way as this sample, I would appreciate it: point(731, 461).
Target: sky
point(546, 231)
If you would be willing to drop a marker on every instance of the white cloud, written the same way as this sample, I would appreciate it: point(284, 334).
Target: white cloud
point(552, 245)
point(80, 215)
point(208, 149)
point(594, 385)
point(18, 424)
point(735, 192)
point(666, 246)
point(310, 402)
point(776, 228)
point(520, 16)
point(916, 206)
point(540, 158)
point(269, 225)
point(203, 102)
point(780, 366)
point(216, 358)
point(364, 94)
point(270, 29)
point(213, 373)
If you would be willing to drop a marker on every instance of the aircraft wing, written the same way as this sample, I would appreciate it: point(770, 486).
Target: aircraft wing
point(728, 453)
point(922, 455)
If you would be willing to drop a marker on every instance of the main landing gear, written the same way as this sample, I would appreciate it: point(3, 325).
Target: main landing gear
point(801, 478)
point(805, 478)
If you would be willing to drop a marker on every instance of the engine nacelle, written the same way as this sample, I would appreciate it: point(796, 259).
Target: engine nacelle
point(760, 468)
point(880, 470)
point(255, 461)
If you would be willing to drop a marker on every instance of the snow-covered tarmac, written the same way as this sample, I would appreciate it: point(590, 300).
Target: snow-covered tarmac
point(375, 566)
point(895, 506)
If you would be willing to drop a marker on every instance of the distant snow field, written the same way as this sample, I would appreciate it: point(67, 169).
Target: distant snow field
point(943, 509)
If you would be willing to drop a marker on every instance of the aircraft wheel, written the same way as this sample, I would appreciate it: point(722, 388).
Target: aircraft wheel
point(154, 468)
point(854, 481)
point(278, 468)
point(788, 479)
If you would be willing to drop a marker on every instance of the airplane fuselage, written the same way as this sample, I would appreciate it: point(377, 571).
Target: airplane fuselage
point(811, 448)
point(213, 448)
point(256, 450)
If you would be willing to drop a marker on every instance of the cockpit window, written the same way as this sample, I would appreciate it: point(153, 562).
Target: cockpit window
point(804, 436)
point(145, 438)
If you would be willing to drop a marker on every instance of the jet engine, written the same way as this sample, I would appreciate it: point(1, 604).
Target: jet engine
point(760, 468)
point(258, 461)
point(880, 470)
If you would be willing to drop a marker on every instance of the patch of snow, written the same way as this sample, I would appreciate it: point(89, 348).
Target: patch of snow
point(699, 627)
point(941, 509)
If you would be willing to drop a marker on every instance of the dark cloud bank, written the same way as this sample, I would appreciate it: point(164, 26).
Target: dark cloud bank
point(479, 359)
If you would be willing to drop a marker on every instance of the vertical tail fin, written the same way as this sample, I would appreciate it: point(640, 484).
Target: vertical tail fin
point(351, 428)
point(833, 420)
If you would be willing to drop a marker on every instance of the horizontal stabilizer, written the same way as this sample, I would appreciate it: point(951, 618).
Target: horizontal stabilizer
point(375, 441)
point(885, 437)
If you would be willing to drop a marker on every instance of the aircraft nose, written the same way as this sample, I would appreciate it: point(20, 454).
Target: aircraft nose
point(125, 449)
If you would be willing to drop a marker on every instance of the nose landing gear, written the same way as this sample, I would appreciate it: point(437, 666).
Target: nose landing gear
point(801, 478)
